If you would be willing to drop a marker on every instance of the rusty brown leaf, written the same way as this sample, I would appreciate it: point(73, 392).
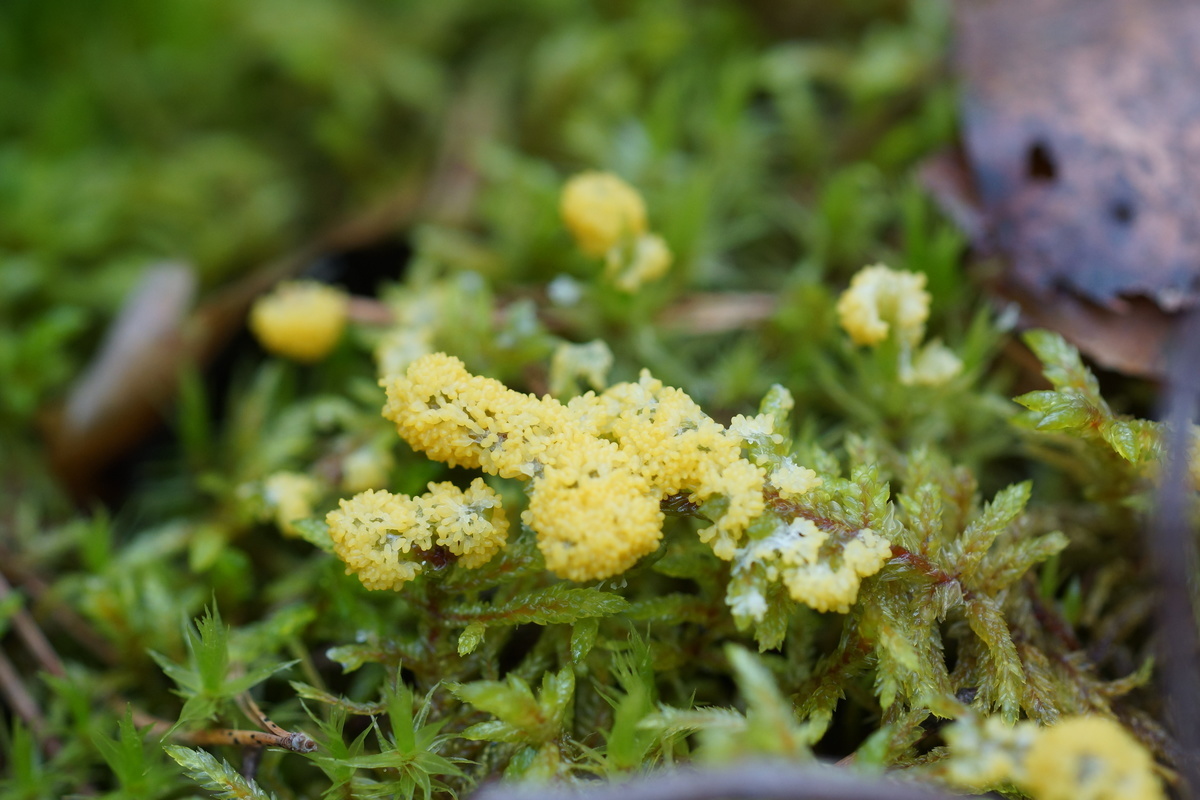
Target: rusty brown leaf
point(1081, 143)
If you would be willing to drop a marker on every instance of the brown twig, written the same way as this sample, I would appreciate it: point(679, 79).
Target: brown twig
point(761, 780)
point(13, 688)
point(37, 643)
point(12, 567)
point(1172, 553)
point(295, 741)
point(24, 706)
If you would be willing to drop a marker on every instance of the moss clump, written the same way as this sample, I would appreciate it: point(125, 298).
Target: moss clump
point(687, 490)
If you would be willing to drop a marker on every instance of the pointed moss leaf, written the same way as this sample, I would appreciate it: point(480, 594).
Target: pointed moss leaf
point(770, 631)
point(470, 638)
point(1072, 601)
point(1007, 505)
point(1123, 439)
point(997, 515)
point(583, 638)
point(511, 701)
point(336, 749)
point(944, 705)
point(872, 491)
point(886, 745)
point(887, 684)
point(521, 764)
point(1059, 411)
point(187, 680)
point(241, 684)
point(848, 660)
point(823, 462)
point(947, 596)
point(670, 721)
point(1072, 411)
point(520, 716)
point(1041, 401)
point(195, 708)
point(626, 744)
point(307, 692)
point(409, 733)
point(409, 772)
point(495, 731)
point(922, 506)
point(351, 656)
point(558, 689)
point(389, 652)
point(137, 774)
point(1063, 366)
point(203, 682)
point(900, 646)
point(897, 656)
point(772, 725)
point(779, 402)
point(315, 531)
point(215, 776)
point(754, 680)
point(208, 649)
point(1008, 567)
point(126, 761)
point(673, 608)
point(1135, 680)
point(555, 604)
point(1006, 676)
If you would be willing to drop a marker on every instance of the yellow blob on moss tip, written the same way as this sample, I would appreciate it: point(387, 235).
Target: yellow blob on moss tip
point(471, 524)
point(466, 420)
point(375, 533)
point(383, 537)
point(599, 466)
point(647, 259)
point(881, 301)
point(935, 365)
point(300, 320)
point(289, 496)
point(1079, 758)
point(601, 211)
point(1089, 758)
point(594, 516)
point(987, 752)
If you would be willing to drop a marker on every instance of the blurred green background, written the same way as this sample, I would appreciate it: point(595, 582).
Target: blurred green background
point(224, 134)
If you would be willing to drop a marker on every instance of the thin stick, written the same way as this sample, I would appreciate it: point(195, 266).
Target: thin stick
point(761, 781)
point(18, 697)
point(273, 736)
point(255, 714)
point(63, 615)
point(22, 703)
point(296, 742)
point(27, 628)
point(11, 685)
point(1172, 553)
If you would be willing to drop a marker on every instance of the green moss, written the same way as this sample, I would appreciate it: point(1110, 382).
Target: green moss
point(775, 162)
